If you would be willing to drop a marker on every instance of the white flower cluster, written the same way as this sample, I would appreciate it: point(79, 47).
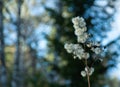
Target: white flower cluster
point(80, 29)
point(95, 47)
point(79, 50)
point(87, 70)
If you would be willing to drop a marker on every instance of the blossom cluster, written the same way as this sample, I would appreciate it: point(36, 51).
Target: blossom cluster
point(80, 29)
point(79, 49)
point(87, 70)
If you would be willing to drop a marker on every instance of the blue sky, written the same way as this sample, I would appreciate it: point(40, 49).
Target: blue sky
point(113, 34)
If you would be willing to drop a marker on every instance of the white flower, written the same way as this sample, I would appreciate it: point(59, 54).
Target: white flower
point(80, 28)
point(82, 38)
point(88, 71)
point(76, 49)
point(76, 27)
point(82, 22)
point(75, 57)
point(66, 46)
point(83, 73)
point(89, 44)
point(79, 57)
point(84, 29)
point(85, 55)
point(85, 35)
point(78, 32)
point(79, 53)
point(75, 20)
point(79, 21)
point(69, 47)
point(79, 50)
point(91, 70)
point(97, 50)
point(76, 46)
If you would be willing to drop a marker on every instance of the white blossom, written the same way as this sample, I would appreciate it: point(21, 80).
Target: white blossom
point(97, 50)
point(82, 23)
point(75, 20)
point(88, 71)
point(89, 44)
point(81, 50)
point(76, 27)
point(77, 46)
point(78, 32)
point(83, 73)
point(69, 47)
point(75, 57)
point(79, 21)
point(91, 70)
point(85, 55)
point(80, 29)
point(76, 49)
point(82, 38)
point(84, 29)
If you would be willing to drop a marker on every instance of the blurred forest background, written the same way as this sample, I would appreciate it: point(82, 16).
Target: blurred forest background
point(32, 38)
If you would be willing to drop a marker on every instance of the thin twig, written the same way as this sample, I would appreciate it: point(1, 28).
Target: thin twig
point(88, 77)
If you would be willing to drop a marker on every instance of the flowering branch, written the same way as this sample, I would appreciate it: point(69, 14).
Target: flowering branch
point(84, 47)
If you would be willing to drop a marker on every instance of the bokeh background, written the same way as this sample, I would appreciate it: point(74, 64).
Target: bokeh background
point(32, 38)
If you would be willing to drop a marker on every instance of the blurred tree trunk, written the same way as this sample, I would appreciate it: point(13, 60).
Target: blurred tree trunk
point(3, 76)
point(33, 58)
point(17, 73)
point(33, 63)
